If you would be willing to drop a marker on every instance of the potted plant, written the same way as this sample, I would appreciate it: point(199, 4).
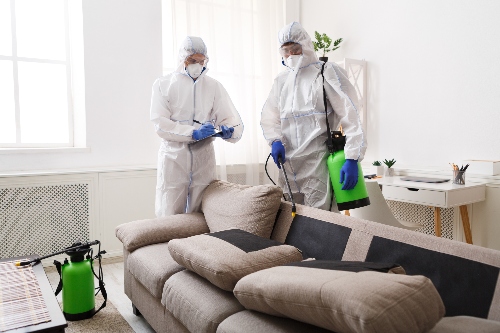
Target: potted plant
point(323, 42)
point(378, 168)
point(389, 171)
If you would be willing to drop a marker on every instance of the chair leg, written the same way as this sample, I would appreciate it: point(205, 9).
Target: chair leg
point(136, 310)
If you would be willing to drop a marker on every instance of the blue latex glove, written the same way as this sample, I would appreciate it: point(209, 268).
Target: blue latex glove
point(227, 132)
point(349, 174)
point(278, 150)
point(205, 130)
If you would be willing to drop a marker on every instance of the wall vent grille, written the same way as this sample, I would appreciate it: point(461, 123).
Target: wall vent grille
point(42, 219)
point(424, 215)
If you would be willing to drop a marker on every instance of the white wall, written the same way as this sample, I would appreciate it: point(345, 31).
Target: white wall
point(433, 74)
point(122, 49)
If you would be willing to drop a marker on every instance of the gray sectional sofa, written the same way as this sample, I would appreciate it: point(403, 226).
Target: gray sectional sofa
point(175, 299)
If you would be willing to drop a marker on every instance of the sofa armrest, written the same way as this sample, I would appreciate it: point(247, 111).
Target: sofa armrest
point(140, 233)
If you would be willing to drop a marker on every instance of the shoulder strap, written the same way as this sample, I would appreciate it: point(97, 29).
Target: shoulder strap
point(329, 141)
point(100, 279)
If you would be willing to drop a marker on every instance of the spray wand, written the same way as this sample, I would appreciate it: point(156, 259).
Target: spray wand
point(294, 209)
point(36, 260)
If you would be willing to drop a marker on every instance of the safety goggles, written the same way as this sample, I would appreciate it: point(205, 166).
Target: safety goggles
point(292, 49)
point(192, 61)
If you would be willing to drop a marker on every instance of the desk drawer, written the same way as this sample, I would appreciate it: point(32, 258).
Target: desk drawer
point(418, 196)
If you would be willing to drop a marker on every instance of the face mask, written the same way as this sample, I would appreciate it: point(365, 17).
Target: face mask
point(293, 60)
point(194, 70)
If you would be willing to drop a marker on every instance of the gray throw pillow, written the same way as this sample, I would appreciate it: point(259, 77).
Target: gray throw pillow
point(224, 257)
point(250, 208)
point(343, 301)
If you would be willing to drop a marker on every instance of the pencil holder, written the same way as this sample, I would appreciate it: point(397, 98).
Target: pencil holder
point(458, 177)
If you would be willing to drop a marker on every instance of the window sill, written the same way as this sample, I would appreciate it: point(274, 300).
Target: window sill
point(57, 150)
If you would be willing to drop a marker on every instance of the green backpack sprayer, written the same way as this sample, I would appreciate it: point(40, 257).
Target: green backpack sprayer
point(77, 280)
point(346, 199)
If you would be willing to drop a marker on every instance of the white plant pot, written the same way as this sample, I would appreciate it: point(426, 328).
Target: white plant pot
point(378, 170)
point(389, 172)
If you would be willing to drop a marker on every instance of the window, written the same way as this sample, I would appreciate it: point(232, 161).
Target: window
point(35, 77)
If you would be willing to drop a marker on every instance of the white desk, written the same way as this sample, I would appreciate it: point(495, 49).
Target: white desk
point(436, 195)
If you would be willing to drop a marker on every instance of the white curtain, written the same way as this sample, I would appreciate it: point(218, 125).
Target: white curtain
point(242, 43)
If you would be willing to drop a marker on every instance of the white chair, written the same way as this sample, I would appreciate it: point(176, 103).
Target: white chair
point(379, 211)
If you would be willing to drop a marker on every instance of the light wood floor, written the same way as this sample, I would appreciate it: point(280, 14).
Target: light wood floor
point(113, 279)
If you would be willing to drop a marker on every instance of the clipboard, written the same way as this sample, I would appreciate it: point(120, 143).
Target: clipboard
point(212, 135)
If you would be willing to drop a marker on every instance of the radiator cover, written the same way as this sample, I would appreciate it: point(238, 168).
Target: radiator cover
point(42, 219)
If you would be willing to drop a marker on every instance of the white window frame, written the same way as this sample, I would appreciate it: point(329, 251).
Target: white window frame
point(15, 60)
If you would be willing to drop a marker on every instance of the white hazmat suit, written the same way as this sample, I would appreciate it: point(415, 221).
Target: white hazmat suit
point(179, 105)
point(294, 114)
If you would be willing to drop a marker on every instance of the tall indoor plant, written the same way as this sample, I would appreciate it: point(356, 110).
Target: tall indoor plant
point(323, 43)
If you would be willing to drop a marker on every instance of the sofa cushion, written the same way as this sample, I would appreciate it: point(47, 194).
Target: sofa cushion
point(140, 233)
point(256, 322)
point(196, 303)
point(250, 208)
point(344, 301)
point(466, 324)
point(152, 265)
point(226, 256)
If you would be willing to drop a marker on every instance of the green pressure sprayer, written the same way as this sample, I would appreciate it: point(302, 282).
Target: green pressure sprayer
point(77, 280)
point(346, 199)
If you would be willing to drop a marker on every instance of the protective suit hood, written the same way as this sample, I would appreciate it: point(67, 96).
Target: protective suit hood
point(189, 46)
point(294, 32)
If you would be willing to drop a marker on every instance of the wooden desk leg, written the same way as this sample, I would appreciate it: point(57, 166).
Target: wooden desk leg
point(465, 221)
point(437, 221)
point(346, 212)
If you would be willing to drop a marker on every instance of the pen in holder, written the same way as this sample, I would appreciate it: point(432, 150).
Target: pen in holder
point(459, 174)
point(459, 177)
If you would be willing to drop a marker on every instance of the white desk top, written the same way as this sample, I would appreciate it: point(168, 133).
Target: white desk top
point(448, 186)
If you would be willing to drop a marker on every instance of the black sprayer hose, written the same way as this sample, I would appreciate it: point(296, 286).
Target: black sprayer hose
point(265, 168)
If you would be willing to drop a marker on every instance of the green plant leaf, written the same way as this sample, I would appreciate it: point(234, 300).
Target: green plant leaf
point(327, 40)
point(389, 163)
point(317, 35)
point(315, 46)
point(337, 42)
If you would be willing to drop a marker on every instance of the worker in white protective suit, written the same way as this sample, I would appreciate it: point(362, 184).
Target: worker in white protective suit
point(294, 121)
point(189, 110)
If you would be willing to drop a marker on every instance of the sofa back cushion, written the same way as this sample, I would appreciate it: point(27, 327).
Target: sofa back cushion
point(224, 257)
point(343, 301)
point(250, 208)
point(466, 276)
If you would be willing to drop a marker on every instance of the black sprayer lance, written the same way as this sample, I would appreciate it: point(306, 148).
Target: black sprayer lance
point(77, 247)
point(294, 210)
